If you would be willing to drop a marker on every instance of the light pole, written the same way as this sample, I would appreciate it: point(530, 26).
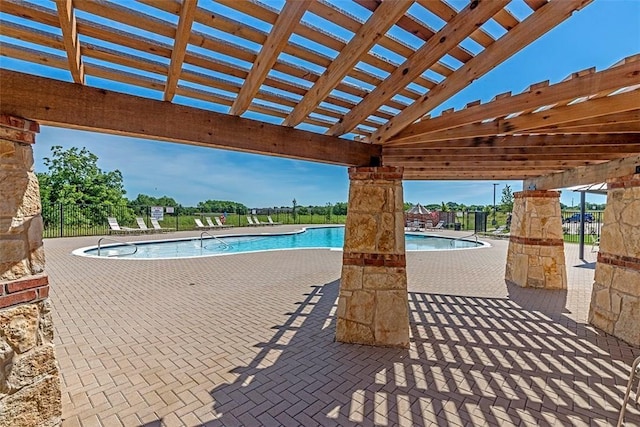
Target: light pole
point(494, 222)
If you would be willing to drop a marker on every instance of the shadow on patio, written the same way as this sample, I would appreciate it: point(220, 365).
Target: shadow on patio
point(472, 361)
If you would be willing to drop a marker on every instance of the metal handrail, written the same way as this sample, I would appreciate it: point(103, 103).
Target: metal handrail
point(465, 237)
point(117, 241)
point(217, 238)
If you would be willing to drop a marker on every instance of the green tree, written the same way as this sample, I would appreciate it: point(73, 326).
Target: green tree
point(221, 206)
point(506, 203)
point(340, 208)
point(74, 178)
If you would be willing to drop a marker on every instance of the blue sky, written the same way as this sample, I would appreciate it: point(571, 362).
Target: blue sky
point(599, 35)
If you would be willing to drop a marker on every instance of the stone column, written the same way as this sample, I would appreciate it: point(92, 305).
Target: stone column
point(373, 301)
point(615, 299)
point(536, 247)
point(29, 377)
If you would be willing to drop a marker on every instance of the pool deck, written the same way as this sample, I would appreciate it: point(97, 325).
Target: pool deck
point(247, 340)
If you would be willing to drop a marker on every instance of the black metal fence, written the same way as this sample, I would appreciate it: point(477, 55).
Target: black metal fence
point(593, 221)
point(91, 220)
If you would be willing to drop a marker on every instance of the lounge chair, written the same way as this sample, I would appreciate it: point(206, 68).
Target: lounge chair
point(143, 226)
point(250, 222)
point(200, 225)
point(257, 222)
point(439, 226)
point(272, 222)
point(211, 224)
point(157, 227)
point(114, 227)
point(500, 230)
point(220, 224)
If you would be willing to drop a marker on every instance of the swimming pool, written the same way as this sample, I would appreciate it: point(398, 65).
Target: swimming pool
point(324, 237)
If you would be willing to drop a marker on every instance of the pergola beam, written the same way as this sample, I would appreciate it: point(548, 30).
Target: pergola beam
point(276, 41)
point(455, 31)
point(67, 17)
point(597, 107)
point(57, 103)
point(387, 13)
point(515, 141)
point(586, 175)
point(183, 32)
point(624, 74)
point(527, 31)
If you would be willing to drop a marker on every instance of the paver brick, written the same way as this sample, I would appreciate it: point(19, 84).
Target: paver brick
point(249, 340)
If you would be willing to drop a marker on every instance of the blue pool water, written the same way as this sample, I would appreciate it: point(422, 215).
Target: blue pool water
point(326, 237)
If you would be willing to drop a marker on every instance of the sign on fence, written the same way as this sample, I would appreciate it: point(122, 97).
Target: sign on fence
point(157, 212)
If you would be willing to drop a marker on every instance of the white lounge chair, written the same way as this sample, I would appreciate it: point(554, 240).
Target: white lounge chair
point(257, 222)
point(143, 226)
point(439, 226)
point(250, 222)
point(220, 224)
point(200, 225)
point(211, 224)
point(114, 227)
point(272, 222)
point(157, 227)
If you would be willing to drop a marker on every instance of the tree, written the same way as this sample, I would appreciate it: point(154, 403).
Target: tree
point(74, 178)
point(340, 208)
point(222, 206)
point(506, 203)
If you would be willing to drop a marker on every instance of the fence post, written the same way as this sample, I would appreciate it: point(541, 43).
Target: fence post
point(61, 220)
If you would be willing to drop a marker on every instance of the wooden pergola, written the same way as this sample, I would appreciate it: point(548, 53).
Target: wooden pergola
point(321, 94)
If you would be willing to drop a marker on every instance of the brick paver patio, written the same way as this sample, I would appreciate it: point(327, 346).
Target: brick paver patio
point(248, 340)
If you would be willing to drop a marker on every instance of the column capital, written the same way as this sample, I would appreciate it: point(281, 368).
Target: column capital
point(376, 172)
point(17, 129)
point(536, 193)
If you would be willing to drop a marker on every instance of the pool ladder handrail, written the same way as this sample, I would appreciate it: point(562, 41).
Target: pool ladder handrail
point(465, 237)
point(225, 244)
point(117, 241)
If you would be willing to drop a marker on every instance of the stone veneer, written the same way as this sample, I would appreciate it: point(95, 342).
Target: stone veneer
point(29, 377)
point(536, 247)
point(615, 299)
point(373, 300)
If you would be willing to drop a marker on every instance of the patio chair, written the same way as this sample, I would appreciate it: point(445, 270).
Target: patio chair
point(156, 226)
point(220, 224)
point(272, 222)
point(250, 222)
point(595, 242)
point(257, 222)
point(200, 225)
point(211, 224)
point(114, 227)
point(500, 230)
point(635, 372)
point(143, 226)
point(439, 226)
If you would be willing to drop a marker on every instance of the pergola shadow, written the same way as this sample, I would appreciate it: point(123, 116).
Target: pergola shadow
point(472, 361)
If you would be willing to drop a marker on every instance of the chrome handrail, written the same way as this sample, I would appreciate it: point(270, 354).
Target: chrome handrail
point(217, 238)
point(117, 241)
point(465, 237)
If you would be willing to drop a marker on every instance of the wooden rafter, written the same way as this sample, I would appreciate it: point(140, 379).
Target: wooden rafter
point(67, 17)
point(586, 175)
point(545, 18)
point(572, 142)
point(179, 50)
point(597, 107)
point(436, 47)
point(376, 26)
point(624, 74)
point(64, 104)
point(278, 37)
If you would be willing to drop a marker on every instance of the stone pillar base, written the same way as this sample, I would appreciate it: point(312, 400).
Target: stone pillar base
point(30, 394)
point(615, 299)
point(373, 302)
point(536, 247)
